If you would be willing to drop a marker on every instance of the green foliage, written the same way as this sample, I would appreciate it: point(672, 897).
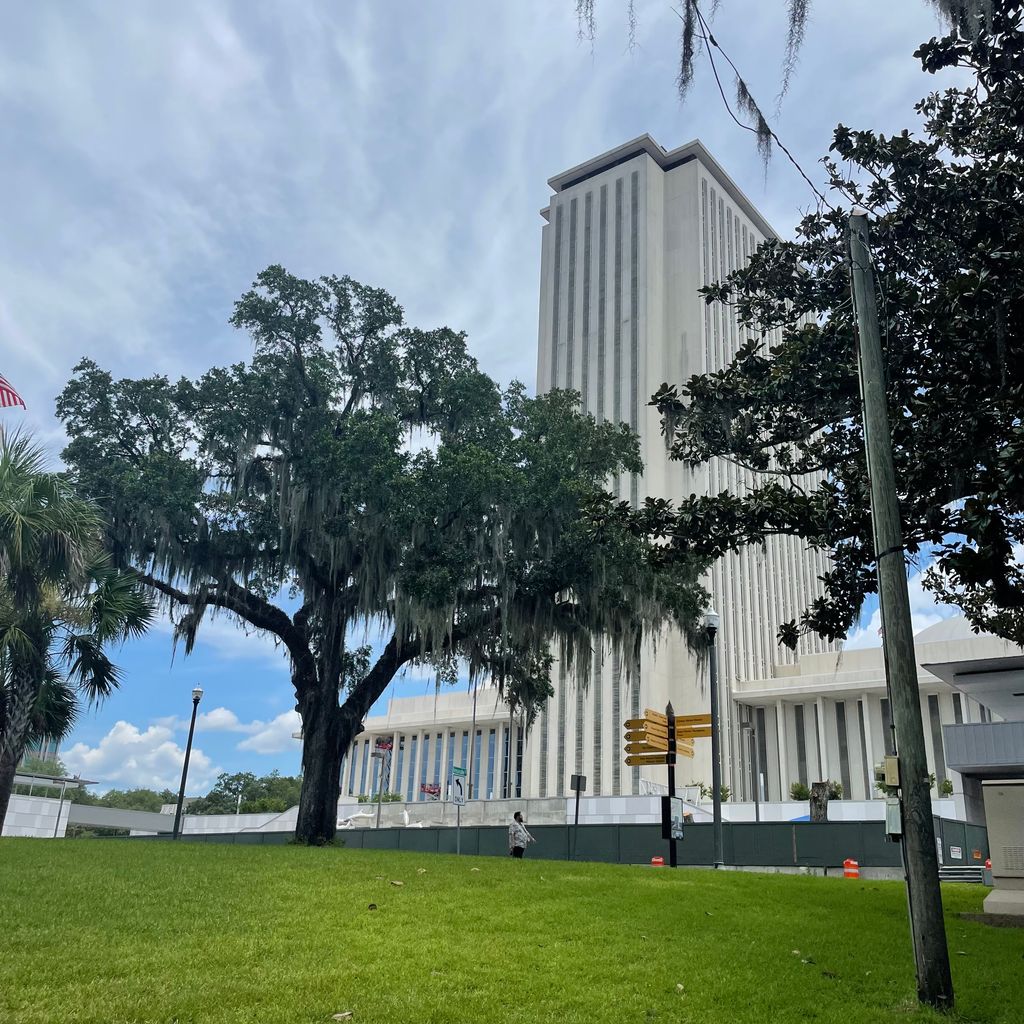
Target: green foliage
point(946, 788)
point(126, 799)
point(799, 791)
point(835, 790)
point(948, 238)
point(385, 798)
point(375, 474)
point(61, 604)
point(260, 795)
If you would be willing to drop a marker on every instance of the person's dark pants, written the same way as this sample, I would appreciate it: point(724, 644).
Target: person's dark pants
point(518, 851)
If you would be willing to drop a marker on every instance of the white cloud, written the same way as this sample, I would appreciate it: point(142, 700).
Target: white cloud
point(924, 612)
point(232, 639)
point(127, 758)
point(220, 720)
point(274, 737)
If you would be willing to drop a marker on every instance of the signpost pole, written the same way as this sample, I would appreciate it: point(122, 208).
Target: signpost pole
point(671, 716)
point(458, 791)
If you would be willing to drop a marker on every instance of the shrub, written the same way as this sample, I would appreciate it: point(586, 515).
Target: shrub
point(798, 791)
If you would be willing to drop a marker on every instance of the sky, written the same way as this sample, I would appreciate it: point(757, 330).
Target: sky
point(157, 156)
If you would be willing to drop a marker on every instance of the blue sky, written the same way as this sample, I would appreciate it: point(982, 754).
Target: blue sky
point(157, 156)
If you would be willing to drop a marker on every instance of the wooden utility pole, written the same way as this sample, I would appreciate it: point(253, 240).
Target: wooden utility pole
point(927, 928)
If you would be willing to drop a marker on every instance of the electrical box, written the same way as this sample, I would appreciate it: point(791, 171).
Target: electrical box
point(891, 764)
point(1004, 815)
point(893, 819)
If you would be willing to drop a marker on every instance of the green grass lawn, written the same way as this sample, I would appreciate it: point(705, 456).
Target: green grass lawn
point(117, 931)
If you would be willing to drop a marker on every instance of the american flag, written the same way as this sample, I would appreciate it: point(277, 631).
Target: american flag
point(8, 396)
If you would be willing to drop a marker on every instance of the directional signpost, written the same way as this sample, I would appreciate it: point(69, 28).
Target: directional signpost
point(659, 739)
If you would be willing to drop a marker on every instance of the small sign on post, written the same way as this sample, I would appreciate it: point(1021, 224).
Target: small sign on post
point(577, 783)
point(672, 817)
point(458, 786)
point(459, 799)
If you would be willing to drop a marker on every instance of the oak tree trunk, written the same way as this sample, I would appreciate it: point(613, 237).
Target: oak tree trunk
point(322, 746)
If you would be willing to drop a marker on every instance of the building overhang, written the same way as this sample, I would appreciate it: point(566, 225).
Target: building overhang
point(997, 683)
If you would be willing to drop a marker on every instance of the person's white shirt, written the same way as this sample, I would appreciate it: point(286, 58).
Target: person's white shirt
point(518, 836)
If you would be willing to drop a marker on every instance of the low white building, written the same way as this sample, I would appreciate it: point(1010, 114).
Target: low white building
point(828, 716)
point(825, 717)
point(421, 738)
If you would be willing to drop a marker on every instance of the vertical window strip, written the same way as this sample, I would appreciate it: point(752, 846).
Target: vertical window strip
point(556, 295)
point(938, 751)
point(362, 770)
point(617, 313)
point(844, 749)
point(762, 753)
point(706, 269)
point(887, 740)
point(602, 287)
point(491, 740)
point(570, 306)
point(579, 729)
point(617, 720)
point(597, 683)
point(411, 785)
point(588, 219)
point(474, 789)
point(542, 775)
point(634, 320)
point(560, 757)
point(424, 772)
point(958, 709)
point(801, 745)
point(865, 753)
point(634, 712)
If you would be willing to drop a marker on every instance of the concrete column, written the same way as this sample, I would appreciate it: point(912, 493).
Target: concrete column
point(780, 727)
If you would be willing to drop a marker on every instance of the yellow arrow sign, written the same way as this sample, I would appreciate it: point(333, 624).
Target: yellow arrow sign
point(636, 760)
point(642, 723)
point(695, 732)
point(656, 716)
point(688, 720)
point(645, 748)
point(639, 736)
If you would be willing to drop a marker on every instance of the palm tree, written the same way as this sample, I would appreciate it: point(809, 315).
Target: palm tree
point(61, 605)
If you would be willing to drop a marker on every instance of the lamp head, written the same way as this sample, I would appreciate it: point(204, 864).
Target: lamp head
point(712, 620)
point(197, 694)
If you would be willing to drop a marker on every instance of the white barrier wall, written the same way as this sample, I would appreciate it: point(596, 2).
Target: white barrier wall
point(37, 817)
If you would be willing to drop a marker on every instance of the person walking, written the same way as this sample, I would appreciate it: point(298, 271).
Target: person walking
point(518, 837)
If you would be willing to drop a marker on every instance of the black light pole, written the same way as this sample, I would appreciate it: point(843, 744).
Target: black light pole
point(711, 624)
point(197, 694)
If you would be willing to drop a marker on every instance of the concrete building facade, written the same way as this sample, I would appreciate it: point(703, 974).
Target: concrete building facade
point(628, 240)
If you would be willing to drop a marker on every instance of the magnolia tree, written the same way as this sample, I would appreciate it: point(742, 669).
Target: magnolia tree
point(361, 474)
point(947, 212)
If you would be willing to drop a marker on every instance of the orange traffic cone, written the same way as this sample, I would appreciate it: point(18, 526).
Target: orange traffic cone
point(851, 869)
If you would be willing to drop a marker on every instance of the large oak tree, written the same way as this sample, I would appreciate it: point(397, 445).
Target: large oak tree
point(359, 473)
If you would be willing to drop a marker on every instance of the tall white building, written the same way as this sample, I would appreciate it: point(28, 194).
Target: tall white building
point(629, 237)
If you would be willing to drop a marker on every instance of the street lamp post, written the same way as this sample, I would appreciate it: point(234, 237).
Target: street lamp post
point(197, 695)
point(750, 728)
point(712, 621)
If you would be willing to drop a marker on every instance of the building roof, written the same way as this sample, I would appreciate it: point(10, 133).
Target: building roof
point(666, 160)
